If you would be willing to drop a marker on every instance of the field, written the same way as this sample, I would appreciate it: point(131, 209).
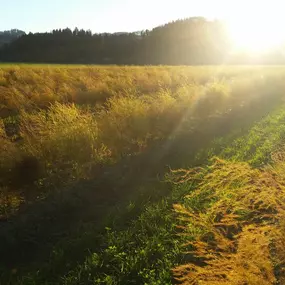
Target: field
point(142, 175)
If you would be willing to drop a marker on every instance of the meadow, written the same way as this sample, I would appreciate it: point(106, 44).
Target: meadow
point(142, 175)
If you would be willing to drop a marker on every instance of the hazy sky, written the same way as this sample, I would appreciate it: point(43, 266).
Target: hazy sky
point(120, 15)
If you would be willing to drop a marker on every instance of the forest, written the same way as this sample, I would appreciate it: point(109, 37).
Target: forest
point(192, 41)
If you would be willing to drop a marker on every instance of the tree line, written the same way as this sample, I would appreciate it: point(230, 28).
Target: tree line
point(9, 36)
point(192, 41)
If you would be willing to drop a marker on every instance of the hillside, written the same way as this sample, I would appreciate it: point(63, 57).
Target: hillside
point(141, 175)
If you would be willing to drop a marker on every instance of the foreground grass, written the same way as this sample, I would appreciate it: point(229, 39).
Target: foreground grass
point(145, 249)
point(153, 244)
point(234, 224)
point(91, 155)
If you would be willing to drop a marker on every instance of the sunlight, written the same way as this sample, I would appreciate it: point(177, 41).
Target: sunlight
point(257, 32)
point(256, 36)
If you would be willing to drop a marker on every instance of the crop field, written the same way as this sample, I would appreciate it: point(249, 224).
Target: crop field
point(142, 175)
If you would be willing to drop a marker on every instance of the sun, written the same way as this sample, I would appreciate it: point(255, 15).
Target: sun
point(257, 32)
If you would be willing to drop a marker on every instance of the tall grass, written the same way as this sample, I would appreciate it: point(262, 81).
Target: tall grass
point(8, 153)
point(227, 209)
point(71, 119)
point(60, 124)
point(236, 230)
point(64, 139)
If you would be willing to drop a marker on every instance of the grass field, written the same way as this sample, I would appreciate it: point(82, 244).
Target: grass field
point(142, 175)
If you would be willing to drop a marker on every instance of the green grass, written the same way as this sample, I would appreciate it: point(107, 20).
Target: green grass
point(255, 145)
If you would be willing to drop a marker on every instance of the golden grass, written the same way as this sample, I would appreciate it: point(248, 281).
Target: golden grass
point(58, 123)
point(65, 136)
point(8, 152)
point(237, 234)
point(27, 87)
point(67, 119)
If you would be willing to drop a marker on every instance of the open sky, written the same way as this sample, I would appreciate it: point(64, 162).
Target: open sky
point(121, 15)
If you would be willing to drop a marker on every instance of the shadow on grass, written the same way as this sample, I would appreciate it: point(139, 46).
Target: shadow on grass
point(75, 218)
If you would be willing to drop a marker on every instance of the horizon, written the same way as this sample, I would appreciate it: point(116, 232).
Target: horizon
point(115, 32)
point(112, 16)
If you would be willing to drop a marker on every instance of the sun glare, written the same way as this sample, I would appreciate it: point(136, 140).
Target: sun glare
point(257, 33)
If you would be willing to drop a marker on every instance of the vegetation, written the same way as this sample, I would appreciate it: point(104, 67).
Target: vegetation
point(192, 41)
point(235, 230)
point(7, 37)
point(87, 190)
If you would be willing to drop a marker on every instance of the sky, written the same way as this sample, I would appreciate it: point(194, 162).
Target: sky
point(122, 15)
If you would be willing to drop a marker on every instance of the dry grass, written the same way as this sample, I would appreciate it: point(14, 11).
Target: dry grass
point(64, 136)
point(236, 235)
point(60, 124)
point(67, 120)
